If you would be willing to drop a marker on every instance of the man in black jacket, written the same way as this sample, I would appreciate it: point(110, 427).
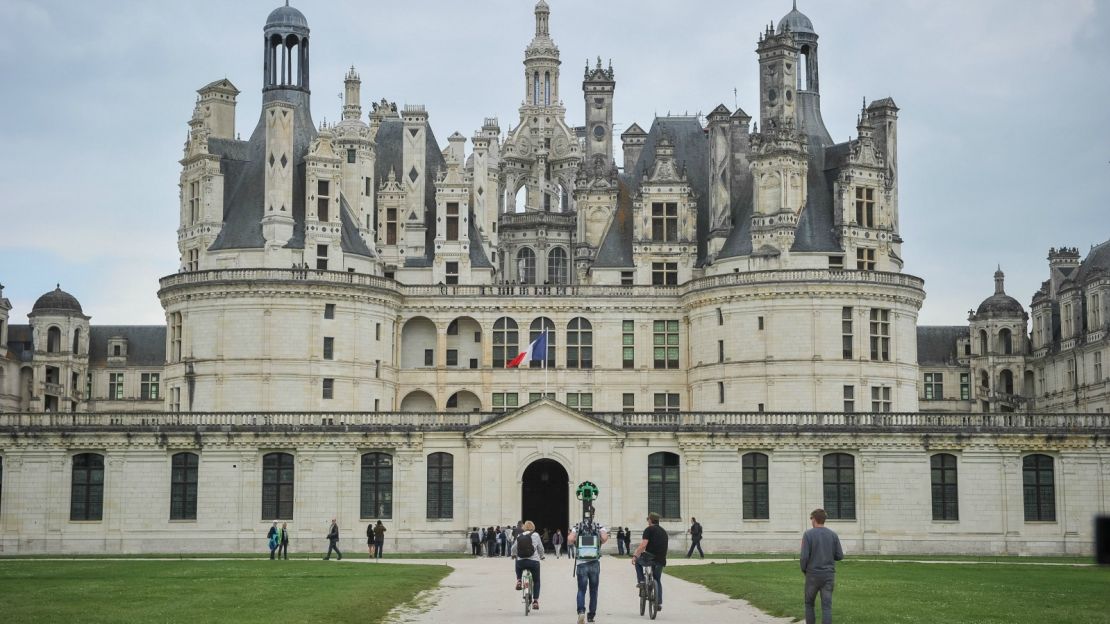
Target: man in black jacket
point(695, 538)
point(333, 541)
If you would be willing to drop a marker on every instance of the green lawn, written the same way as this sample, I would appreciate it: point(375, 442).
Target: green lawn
point(239, 555)
point(885, 593)
point(146, 592)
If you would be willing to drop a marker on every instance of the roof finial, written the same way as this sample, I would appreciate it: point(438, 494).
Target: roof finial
point(287, 2)
point(795, 4)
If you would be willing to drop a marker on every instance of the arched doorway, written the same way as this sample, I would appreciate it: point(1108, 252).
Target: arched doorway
point(545, 495)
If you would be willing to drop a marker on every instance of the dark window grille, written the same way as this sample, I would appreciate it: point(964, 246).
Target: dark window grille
point(86, 499)
point(946, 503)
point(183, 486)
point(840, 486)
point(440, 486)
point(1039, 486)
point(376, 500)
point(277, 486)
point(756, 487)
point(664, 487)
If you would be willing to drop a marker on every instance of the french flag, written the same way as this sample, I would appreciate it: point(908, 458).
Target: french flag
point(537, 350)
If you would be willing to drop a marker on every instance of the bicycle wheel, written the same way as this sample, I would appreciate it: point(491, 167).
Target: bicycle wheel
point(652, 604)
point(526, 591)
point(643, 599)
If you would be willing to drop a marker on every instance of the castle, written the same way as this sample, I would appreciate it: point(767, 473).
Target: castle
point(727, 312)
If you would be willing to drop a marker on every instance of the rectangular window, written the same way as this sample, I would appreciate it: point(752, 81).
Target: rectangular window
point(175, 399)
point(278, 472)
point(322, 200)
point(321, 257)
point(194, 260)
point(366, 188)
point(628, 402)
point(759, 323)
point(86, 496)
point(377, 331)
point(440, 486)
point(880, 335)
point(946, 503)
point(452, 273)
point(880, 399)
point(965, 386)
point(1071, 375)
point(839, 479)
point(194, 202)
point(1096, 314)
point(720, 351)
point(115, 386)
point(664, 222)
point(627, 278)
point(429, 357)
point(756, 487)
point(452, 221)
point(581, 401)
point(865, 207)
point(1039, 488)
point(1098, 367)
point(1067, 320)
point(865, 259)
point(505, 401)
point(836, 263)
point(329, 387)
point(849, 399)
point(329, 348)
point(176, 333)
point(665, 344)
point(391, 226)
point(377, 369)
point(377, 404)
point(183, 486)
point(452, 357)
point(934, 386)
point(666, 402)
point(628, 344)
point(664, 273)
point(148, 386)
point(847, 339)
point(351, 156)
point(721, 392)
point(720, 317)
point(664, 487)
point(329, 310)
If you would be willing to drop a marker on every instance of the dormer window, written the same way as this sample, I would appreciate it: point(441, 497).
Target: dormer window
point(664, 222)
point(323, 190)
point(865, 207)
point(117, 347)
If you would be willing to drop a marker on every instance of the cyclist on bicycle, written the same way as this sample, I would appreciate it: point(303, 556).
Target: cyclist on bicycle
point(527, 550)
point(652, 552)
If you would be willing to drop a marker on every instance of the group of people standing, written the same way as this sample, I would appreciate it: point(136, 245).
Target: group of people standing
point(496, 541)
point(278, 540)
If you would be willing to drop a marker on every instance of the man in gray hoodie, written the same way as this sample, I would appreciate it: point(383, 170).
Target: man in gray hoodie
point(820, 552)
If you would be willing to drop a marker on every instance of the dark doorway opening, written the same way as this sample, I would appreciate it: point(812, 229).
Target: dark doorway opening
point(545, 492)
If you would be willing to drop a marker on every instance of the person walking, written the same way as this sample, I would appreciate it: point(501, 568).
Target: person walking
point(379, 539)
point(527, 550)
point(272, 538)
point(695, 538)
point(333, 541)
point(820, 552)
point(587, 564)
point(283, 541)
point(620, 541)
point(652, 552)
point(557, 542)
point(475, 542)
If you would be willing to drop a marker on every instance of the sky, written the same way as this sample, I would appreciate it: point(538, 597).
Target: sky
point(1004, 131)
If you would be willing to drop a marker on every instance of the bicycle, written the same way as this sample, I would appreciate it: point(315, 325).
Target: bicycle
point(526, 590)
point(649, 601)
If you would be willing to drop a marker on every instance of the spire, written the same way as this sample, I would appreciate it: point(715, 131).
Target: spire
point(352, 93)
point(542, 14)
point(999, 281)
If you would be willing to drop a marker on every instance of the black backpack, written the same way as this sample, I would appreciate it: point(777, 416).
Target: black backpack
point(474, 537)
point(524, 546)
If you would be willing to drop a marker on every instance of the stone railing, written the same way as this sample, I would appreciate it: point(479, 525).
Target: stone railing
point(537, 219)
point(794, 422)
point(517, 290)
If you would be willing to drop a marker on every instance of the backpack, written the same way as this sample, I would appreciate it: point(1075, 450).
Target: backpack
point(589, 546)
point(474, 537)
point(524, 546)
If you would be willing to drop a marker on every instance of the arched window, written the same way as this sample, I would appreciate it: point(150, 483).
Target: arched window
point(86, 497)
point(985, 380)
point(1006, 342)
point(557, 266)
point(53, 340)
point(506, 341)
point(183, 486)
point(664, 487)
point(1039, 486)
point(580, 344)
point(946, 501)
point(539, 326)
point(376, 500)
point(441, 477)
point(536, 89)
point(547, 88)
point(840, 486)
point(526, 266)
point(1006, 381)
point(982, 342)
point(756, 487)
point(277, 486)
point(76, 342)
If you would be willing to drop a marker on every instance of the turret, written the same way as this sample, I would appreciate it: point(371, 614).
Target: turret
point(778, 67)
point(597, 89)
point(352, 87)
point(541, 63)
point(1062, 263)
point(632, 143)
point(286, 50)
point(216, 100)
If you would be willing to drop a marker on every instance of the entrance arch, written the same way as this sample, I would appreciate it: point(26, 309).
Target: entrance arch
point(545, 495)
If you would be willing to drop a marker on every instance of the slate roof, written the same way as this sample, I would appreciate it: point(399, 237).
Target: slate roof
point(242, 164)
point(57, 300)
point(936, 344)
point(1097, 261)
point(21, 342)
point(146, 344)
